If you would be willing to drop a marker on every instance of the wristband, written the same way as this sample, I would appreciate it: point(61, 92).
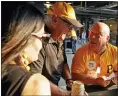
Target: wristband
point(67, 80)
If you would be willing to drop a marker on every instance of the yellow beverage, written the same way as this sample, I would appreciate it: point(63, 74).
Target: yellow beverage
point(77, 89)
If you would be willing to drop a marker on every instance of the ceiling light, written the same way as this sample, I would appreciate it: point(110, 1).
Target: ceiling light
point(110, 25)
point(47, 2)
point(48, 5)
point(69, 3)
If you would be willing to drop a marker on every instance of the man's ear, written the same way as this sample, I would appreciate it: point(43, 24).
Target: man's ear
point(108, 38)
point(54, 19)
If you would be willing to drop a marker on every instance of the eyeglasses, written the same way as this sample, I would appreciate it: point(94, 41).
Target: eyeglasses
point(71, 26)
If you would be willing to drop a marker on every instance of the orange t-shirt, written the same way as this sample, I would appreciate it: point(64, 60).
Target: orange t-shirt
point(85, 60)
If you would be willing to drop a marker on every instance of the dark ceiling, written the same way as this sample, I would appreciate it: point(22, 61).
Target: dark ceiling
point(95, 4)
point(92, 4)
point(104, 9)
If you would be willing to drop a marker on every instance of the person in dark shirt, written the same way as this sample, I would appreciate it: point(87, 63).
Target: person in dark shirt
point(20, 48)
point(52, 62)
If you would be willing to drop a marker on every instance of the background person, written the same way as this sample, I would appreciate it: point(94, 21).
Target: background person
point(97, 54)
point(20, 48)
point(73, 40)
point(52, 61)
point(83, 38)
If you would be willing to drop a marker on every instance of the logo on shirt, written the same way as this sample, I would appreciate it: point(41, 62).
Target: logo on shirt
point(91, 65)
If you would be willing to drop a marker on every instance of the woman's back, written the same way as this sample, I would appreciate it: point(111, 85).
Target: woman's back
point(14, 79)
point(17, 81)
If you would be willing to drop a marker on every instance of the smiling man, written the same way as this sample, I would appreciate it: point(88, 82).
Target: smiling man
point(95, 61)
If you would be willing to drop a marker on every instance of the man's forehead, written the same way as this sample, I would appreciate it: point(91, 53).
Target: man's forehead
point(96, 32)
point(100, 28)
point(96, 29)
point(93, 30)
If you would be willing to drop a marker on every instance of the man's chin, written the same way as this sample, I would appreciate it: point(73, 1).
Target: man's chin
point(93, 45)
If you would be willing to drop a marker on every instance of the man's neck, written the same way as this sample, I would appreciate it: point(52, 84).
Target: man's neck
point(101, 50)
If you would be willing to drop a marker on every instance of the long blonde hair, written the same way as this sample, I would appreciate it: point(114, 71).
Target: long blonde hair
point(26, 20)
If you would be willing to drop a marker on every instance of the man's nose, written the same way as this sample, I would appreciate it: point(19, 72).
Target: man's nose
point(93, 36)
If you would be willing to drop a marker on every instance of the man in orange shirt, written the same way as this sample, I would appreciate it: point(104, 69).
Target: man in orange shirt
point(96, 61)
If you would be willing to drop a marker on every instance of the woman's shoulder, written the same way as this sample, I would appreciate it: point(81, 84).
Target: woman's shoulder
point(38, 82)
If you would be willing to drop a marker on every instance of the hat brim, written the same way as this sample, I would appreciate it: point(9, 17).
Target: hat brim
point(74, 22)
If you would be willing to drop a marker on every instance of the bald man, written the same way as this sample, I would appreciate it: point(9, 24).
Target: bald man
point(96, 61)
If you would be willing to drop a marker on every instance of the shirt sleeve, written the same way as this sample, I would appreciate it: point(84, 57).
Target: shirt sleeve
point(65, 58)
point(115, 57)
point(37, 66)
point(78, 65)
point(64, 54)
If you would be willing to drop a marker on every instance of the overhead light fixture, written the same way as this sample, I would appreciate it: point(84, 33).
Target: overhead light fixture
point(110, 25)
point(69, 3)
point(47, 2)
point(48, 5)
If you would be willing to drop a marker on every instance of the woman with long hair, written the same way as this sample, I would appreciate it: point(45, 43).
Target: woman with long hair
point(21, 46)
